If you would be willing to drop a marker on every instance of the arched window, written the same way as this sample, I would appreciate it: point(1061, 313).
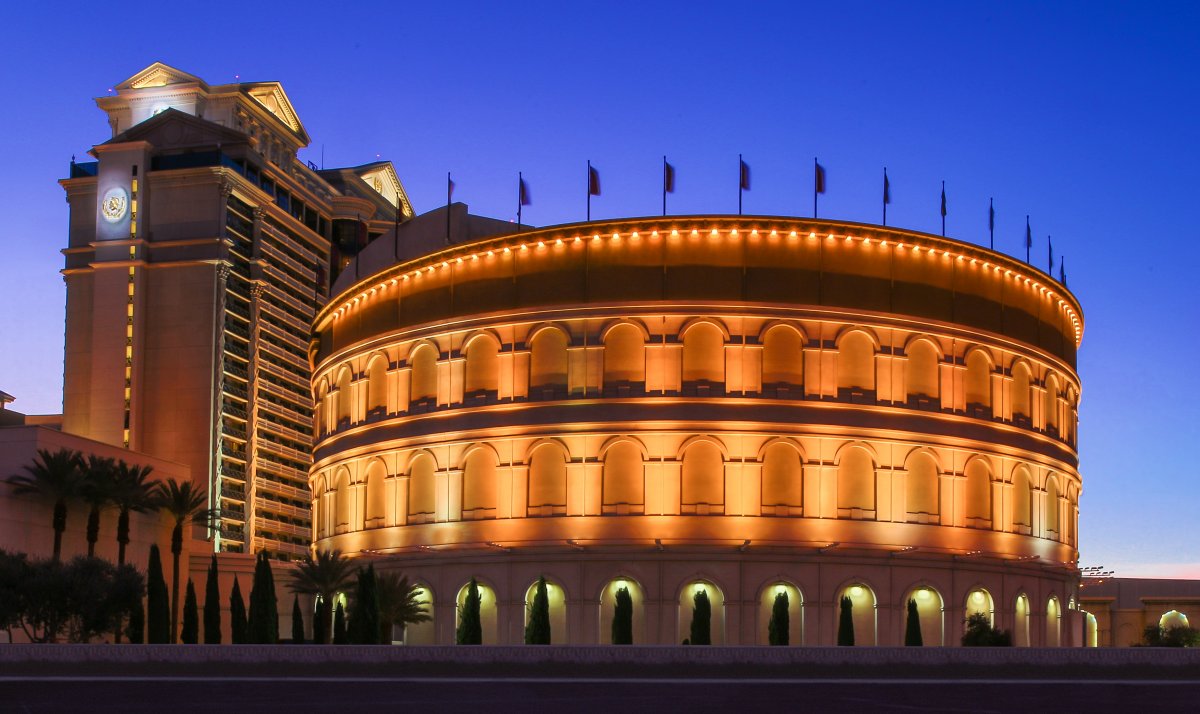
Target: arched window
point(1022, 515)
point(1021, 624)
point(977, 383)
point(548, 359)
point(1052, 520)
point(547, 480)
point(318, 509)
point(979, 602)
point(703, 487)
point(557, 600)
point(703, 353)
point(930, 615)
point(922, 487)
point(487, 611)
point(1020, 390)
point(623, 483)
point(783, 357)
point(1053, 622)
point(422, 488)
point(922, 370)
point(624, 355)
point(782, 479)
point(480, 487)
point(377, 386)
point(424, 374)
point(978, 491)
point(483, 366)
point(376, 495)
point(856, 480)
point(716, 609)
point(322, 409)
point(608, 601)
point(342, 500)
point(343, 397)
point(856, 362)
point(795, 609)
point(1052, 403)
point(863, 611)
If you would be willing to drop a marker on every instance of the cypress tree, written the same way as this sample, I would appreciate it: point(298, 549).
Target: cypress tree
point(189, 632)
point(912, 627)
point(263, 623)
point(212, 606)
point(537, 630)
point(136, 630)
point(297, 622)
point(701, 631)
point(622, 624)
point(778, 629)
point(845, 636)
point(364, 627)
point(158, 605)
point(237, 615)
point(319, 633)
point(470, 629)
point(339, 626)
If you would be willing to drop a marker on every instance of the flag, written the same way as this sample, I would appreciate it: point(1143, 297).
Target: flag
point(523, 192)
point(819, 177)
point(1028, 235)
point(943, 199)
point(1062, 272)
point(449, 188)
point(991, 216)
point(668, 177)
point(887, 189)
point(593, 181)
point(743, 174)
point(1050, 249)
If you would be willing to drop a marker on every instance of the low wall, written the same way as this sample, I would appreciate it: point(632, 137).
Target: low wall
point(601, 661)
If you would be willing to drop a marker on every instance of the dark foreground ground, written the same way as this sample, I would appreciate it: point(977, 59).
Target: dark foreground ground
point(56, 678)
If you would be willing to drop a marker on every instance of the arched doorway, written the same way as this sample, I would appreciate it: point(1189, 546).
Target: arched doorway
point(487, 611)
point(716, 601)
point(1053, 622)
point(422, 633)
point(864, 612)
point(766, 604)
point(1021, 621)
point(608, 603)
point(558, 610)
point(931, 610)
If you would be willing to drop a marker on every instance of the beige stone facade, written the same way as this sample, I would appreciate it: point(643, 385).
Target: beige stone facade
point(200, 249)
point(742, 404)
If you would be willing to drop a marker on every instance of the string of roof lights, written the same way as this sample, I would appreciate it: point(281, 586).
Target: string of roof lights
point(457, 256)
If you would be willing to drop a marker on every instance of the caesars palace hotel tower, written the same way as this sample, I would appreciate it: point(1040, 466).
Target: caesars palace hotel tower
point(200, 250)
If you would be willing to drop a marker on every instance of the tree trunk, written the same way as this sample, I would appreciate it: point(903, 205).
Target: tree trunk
point(176, 550)
point(93, 530)
point(122, 535)
point(60, 525)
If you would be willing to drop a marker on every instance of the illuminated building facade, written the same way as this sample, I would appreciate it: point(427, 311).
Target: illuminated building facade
point(200, 250)
point(747, 405)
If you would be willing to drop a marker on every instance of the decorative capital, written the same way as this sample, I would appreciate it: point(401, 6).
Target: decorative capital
point(260, 213)
point(226, 188)
point(257, 290)
point(223, 270)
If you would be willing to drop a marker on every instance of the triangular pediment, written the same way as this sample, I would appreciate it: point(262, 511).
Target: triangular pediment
point(159, 75)
point(173, 129)
point(270, 96)
point(382, 178)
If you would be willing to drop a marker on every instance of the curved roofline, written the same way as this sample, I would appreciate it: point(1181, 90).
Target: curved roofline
point(847, 229)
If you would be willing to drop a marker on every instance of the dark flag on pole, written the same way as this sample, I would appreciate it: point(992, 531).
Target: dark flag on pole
point(1062, 271)
point(522, 197)
point(593, 187)
point(668, 182)
point(1028, 239)
point(743, 180)
point(449, 197)
point(943, 208)
point(818, 183)
point(991, 225)
point(887, 194)
point(1050, 250)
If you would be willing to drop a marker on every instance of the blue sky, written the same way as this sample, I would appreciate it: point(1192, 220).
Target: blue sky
point(1082, 115)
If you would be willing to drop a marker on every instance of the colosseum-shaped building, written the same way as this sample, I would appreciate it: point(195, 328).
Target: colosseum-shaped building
point(747, 405)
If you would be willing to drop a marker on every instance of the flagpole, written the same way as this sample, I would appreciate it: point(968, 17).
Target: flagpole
point(885, 195)
point(816, 174)
point(449, 192)
point(588, 187)
point(943, 209)
point(991, 225)
point(520, 180)
point(664, 185)
point(1028, 240)
point(740, 182)
point(1050, 255)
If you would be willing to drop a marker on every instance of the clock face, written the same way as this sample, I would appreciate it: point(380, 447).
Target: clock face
point(114, 205)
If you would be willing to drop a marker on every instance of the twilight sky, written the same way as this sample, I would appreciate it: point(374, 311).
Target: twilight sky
point(1082, 115)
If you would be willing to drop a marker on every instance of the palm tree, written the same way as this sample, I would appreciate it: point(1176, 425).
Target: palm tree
point(99, 482)
point(323, 576)
point(133, 493)
point(57, 477)
point(185, 503)
point(400, 603)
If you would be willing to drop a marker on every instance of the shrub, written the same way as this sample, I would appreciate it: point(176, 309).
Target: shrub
point(622, 624)
point(537, 630)
point(263, 622)
point(470, 629)
point(158, 605)
point(845, 634)
point(912, 627)
point(1178, 636)
point(339, 626)
point(297, 621)
point(189, 632)
point(212, 605)
point(777, 628)
point(701, 630)
point(237, 615)
point(980, 633)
